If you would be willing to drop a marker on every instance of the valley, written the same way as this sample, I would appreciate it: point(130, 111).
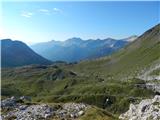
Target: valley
point(108, 84)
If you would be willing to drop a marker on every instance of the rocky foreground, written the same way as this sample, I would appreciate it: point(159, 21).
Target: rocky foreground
point(16, 109)
point(148, 109)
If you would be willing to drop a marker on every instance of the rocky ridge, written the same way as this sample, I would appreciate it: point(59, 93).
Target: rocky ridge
point(152, 81)
point(13, 108)
point(148, 109)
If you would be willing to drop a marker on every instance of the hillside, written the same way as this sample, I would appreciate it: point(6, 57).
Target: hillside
point(16, 53)
point(129, 61)
point(76, 49)
point(110, 83)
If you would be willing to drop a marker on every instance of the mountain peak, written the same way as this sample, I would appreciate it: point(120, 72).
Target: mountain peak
point(6, 40)
point(76, 49)
point(109, 38)
point(74, 39)
point(16, 53)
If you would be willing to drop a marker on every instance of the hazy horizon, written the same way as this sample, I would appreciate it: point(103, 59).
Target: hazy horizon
point(65, 39)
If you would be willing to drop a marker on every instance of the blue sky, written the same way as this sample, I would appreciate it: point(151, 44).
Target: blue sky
point(34, 22)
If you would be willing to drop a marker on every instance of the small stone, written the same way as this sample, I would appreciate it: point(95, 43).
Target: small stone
point(80, 113)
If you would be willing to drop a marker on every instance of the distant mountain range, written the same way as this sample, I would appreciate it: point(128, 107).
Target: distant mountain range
point(76, 49)
point(16, 53)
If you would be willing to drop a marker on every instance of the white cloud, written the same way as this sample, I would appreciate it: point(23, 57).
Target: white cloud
point(57, 10)
point(26, 14)
point(50, 11)
point(44, 11)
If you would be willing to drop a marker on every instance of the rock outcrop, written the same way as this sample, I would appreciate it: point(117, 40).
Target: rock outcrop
point(16, 109)
point(72, 110)
point(150, 85)
point(146, 74)
point(9, 102)
point(32, 112)
point(153, 86)
point(148, 109)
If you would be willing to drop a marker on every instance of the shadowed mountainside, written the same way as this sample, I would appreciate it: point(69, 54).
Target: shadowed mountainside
point(16, 53)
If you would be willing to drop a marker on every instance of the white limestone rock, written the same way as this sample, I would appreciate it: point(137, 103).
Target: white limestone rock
point(148, 109)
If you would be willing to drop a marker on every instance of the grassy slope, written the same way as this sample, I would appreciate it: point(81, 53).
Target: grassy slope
point(155, 72)
point(128, 61)
point(94, 82)
point(95, 113)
